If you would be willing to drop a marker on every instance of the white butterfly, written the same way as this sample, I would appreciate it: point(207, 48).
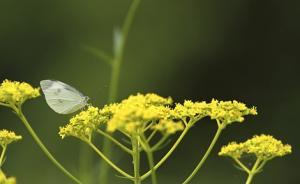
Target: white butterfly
point(62, 98)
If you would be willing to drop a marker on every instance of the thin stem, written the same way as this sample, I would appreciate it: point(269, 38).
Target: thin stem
point(253, 171)
point(2, 155)
point(148, 173)
point(107, 160)
point(261, 166)
point(150, 158)
point(151, 135)
point(4, 104)
point(241, 165)
point(136, 160)
point(114, 80)
point(42, 146)
point(203, 159)
point(123, 147)
point(159, 143)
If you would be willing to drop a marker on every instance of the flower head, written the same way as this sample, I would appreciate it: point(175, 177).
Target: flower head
point(136, 111)
point(264, 147)
point(228, 112)
point(7, 137)
point(83, 124)
point(16, 93)
point(191, 110)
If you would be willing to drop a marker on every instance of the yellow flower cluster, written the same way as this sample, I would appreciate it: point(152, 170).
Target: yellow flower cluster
point(132, 114)
point(5, 180)
point(7, 137)
point(138, 112)
point(16, 93)
point(192, 110)
point(264, 147)
point(224, 111)
point(230, 111)
point(168, 126)
point(83, 124)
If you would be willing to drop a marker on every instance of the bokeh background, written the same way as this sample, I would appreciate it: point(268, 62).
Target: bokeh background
point(193, 49)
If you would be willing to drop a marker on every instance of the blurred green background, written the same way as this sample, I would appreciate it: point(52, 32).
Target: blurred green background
point(192, 49)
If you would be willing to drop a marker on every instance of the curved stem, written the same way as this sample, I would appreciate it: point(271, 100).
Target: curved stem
point(115, 141)
point(200, 164)
point(107, 160)
point(42, 146)
point(148, 173)
point(150, 158)
point(2, 155)
point(253, 172)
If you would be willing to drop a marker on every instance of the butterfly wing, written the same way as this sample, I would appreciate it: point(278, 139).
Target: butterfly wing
point(62, 98)
point(64, 106)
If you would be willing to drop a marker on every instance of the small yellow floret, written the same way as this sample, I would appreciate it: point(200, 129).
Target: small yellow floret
point(83, 124)
point(7, 137)
point(168, 126)
point(16, 93)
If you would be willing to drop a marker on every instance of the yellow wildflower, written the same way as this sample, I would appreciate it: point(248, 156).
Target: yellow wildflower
point(229, 111)
point(16, 93)
point(233, 150)
point(189, 109)
point(133, 113)
point(264, 147)
point(83, 124)
point(7, 137)
point(168, 126)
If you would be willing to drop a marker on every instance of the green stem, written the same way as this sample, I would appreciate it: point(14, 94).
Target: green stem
point(203, 159)
point(241, 165)
point(2, 155)
point(42, 146)
point(166, 156)
point(150, 158)
point(159, 143)
point(136, 160)
point(151, 135)
point(107, 160)
point(115, 141)
point(253, 171)
point(113, 86)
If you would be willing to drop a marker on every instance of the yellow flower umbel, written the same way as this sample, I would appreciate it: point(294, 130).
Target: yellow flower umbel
point(190, 110)
point(133, 114)
point(83, 124)
point(14, 94)
point(7, 137)
point(263, 147)
point(227, 112)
